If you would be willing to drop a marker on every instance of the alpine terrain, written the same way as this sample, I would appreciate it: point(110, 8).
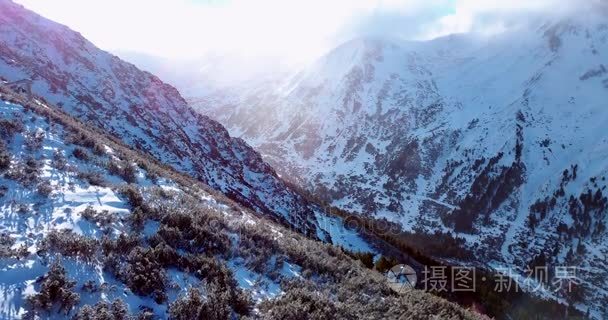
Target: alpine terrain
point(92, 229)
point(100, 89)
point(277, 194)
point(496, 142)
point(118, 201)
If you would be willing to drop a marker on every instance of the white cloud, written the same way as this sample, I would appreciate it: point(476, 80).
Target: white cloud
point(492, 16)
point(185, 28)
point(298, 29)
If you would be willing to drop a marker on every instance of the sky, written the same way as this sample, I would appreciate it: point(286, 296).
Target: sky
point(296, 30)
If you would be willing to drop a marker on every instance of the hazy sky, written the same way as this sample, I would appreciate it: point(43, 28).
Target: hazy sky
point(294, 29)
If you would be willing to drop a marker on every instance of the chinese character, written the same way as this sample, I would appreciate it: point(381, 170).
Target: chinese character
point(536, 278)
point(463, 279)
point(504, 280)
point(436, 280)
point(565, 274)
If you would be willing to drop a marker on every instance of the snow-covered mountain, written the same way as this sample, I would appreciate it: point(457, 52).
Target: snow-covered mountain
point(141, 110)
point(497, 139)
point(92, 229)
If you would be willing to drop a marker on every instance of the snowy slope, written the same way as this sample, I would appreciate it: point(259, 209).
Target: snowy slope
point(67, 198)
point(463, 134)
point(28, 216)
point(140, 109)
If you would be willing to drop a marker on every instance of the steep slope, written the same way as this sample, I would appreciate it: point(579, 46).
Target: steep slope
point(91, 229)
point(497, 140)
point(349, 118)
point(140, 109)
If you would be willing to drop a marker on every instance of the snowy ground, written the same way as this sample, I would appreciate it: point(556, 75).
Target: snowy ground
point(27, 217)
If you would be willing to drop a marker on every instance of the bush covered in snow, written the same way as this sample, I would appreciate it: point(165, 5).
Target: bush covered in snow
point(8, 128)
point(26, 172)
point(69, 244)
point(193, 233)
point(302, 304)
point(122, 245)
point(44, 188)
point(6, 248)
point(215, 304)
point(117, 310)
point(194, 305)
point(59, 161)
point(144, 274)
point(94, 178)
point(80, 154)
point(133, 195)
point(56, 290)
point(123, 169)
point(33, 140)
point(85, 140)
point(5, 157)
point(102, 218)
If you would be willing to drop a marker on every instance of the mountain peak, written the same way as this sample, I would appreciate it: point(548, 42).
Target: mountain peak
point(365, 47)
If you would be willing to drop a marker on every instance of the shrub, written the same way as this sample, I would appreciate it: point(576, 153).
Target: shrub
point(133, 195)
point(166, 255)
point(152, 175)
point(69, 244)
point(6, 242)
point(5, 157)
point(59, 161)
point(367, 258)
point(145, 313)
point(27, 173)
point(101, 218)
point(137, 219)
point(99, 150)
point(9, 128)
point(21, 253)
point(302, 304)
point(90, 286)
point(117, 310)
point(80, 154)
point(129, 173)
point(124, 169)
point(81, 139)
point(385, 263)
point(5, 160)
point(93, 178)
point(44, 188)
point(196, 235)
point(192, 306)
point(33, 140)
point(145, 275)
point(22, 208)
point(219, 276)
point(55, 289)
point(122, 245)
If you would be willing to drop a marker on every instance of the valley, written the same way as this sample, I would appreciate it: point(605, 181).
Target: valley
point(197, 190)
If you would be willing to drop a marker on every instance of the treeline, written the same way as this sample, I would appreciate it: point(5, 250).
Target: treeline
point(509, 303)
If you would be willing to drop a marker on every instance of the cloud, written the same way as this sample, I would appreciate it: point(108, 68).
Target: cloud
point(297, 29)
point(492, 16)
point(189, 28)
point(405, 19)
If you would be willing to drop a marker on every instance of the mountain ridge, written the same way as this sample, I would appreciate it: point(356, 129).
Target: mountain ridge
point(464, 134)
point(139, 108)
